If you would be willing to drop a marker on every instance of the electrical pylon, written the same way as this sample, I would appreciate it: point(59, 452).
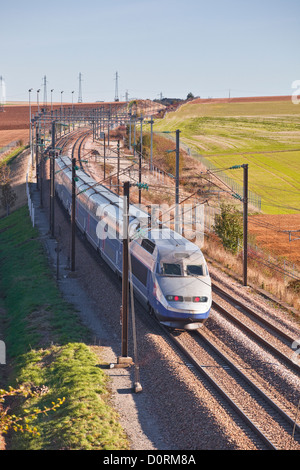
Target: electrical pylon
point(45, 90)
point(80, 90)
point(116, 88)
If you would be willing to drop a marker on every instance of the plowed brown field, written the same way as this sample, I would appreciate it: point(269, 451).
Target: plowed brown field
point(270, 235)
point(249, 99)
point(14, 124)
point(14, 120)
point(268, 229)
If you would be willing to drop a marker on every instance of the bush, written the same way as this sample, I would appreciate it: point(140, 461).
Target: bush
point(17, 422)
point(294, 286)
point(228, 226)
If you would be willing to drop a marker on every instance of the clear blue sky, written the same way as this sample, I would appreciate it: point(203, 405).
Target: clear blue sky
point(157, 46)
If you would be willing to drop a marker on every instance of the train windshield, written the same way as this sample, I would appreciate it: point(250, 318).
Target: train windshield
point(176, 269)
point(172, 269)
point(182, 264)
point(194, 270)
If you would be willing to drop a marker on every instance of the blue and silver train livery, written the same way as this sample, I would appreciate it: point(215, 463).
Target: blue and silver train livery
point(169, 273)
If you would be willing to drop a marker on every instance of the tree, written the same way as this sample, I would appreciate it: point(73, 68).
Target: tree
point(190, 96)
point(4, 174)
point(228, 226)
point(8, 195)
point(23, 423)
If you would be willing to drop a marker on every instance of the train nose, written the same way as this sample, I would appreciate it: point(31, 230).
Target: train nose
point(186, 289)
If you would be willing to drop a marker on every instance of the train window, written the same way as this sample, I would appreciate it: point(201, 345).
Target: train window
point(139, 270)
point(93, 207)
point(171, 269)
point(148, 245)
point(194, 270)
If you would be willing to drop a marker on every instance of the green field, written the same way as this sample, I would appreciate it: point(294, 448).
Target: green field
point(266, 135)
point(47, 346)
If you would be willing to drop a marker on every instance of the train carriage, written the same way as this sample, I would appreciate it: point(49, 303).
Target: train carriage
point(169, 273)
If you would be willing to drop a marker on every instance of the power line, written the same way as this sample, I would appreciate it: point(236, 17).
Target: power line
point(272, 266)
point(265, 225)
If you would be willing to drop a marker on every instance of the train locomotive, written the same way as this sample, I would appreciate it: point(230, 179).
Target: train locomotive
point(169, 273)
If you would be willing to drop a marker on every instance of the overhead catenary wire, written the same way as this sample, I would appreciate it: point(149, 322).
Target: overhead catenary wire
point(273, 266)
point(229, 191)
point(158, 187)
point(269, 226)
point(104, 179)
point(209, 172)
point(153, 187)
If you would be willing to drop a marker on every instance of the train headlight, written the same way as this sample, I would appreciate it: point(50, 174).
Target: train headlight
point(174, 298)
point(200, 299)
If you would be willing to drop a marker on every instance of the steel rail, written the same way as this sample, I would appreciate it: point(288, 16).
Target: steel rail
point(288, 420)
point(80, 140)
point(257, 337)
point(204, 372)
point(274, 409)
point(238, 303)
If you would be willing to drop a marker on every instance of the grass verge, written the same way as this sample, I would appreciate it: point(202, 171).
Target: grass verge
point(12, 155)
point(46, 348)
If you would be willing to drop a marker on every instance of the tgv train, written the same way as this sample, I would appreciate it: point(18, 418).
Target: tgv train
point(168, 272)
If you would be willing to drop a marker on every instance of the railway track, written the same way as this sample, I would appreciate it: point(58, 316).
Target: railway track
point(66, 140)
point(269, 422)
point(272, 337)
point(77, 147)
point(272, 426)
point(73, 141)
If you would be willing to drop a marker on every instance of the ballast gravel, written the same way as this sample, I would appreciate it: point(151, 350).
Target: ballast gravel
point(174, 410)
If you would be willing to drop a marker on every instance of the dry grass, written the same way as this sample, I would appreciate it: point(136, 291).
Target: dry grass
point(190, 181)
point(259, 276)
